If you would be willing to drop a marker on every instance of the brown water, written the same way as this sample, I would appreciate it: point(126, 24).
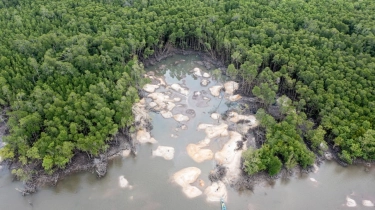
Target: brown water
point(151, 176)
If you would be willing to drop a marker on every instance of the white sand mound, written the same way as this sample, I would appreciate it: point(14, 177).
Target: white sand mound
point(166, 114)
point(123, 182)
point(125, 153)
point(177, 99)
point(203, 126)
point(216, 191)
point(165, 152)
point(180, 89)
point(217, 131)
point(150, 88)
point(180, 117)
point(191, 191)
point(161, 81)
point(205, 82)
point(367, 203)
point(197, 72)
point(185, 177)
point(197, 93)
point(206, 75)
point(144, 136)
point(160, 99)
point(152, 104)
point(230, 87)
point(235, 117)
point(235, 97)
point(313, 180)
point(198, 154)
point(215, 116)
point(215, 90)
point(170, 105)
point(350, 202)
point(230, 157)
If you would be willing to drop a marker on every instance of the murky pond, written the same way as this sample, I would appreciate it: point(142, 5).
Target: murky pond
point(150, 178)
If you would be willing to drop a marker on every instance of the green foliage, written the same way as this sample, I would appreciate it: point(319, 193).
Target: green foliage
point(274, 165)
point(21, 174)
point(316, 137)
point(284, 145)
point(69, 69)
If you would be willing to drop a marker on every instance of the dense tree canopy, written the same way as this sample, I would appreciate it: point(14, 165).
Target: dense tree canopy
point(69, 71)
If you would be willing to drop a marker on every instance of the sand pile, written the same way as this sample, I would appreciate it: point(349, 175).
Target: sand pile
point(123, 182)
point(180, 117)
point(197, 72)
point(165, 152)
point(215, 90)
point(144, 136)
point(216, 191)
point(215, 116)
point(213, 131)
point(205, 82)
point(235, 117)
point(235, 97)
point(150, 88)
point(230, 156)
point(185, 177)
point(367, 203)
point(198, 154)
point(230, 87)
point(178, 88)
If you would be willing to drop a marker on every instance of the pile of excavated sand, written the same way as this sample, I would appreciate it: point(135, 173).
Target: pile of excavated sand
point(181, 118)
point(166, 114)
point(165, 152)
point(170, 106)
point(123, 182)
point(161, 81)
point(198, 154)
point(216, 191)
point(150, 88)
point(125, 153)
point(206, 75)
point(350, 202)
point(230, 87)
point(197, 72)
point(185, 177)
point(160, 99)
point(215, 90)
point(248, 121)
point(205, 82)
point(230, 156)
point(235, 117)
point(178, 88)
point(144, 136)
point(213, 131)
point(367, 203)
point(215, 116)
point(234, 97)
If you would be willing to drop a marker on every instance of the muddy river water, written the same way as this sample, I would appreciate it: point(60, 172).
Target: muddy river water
point(150, 182)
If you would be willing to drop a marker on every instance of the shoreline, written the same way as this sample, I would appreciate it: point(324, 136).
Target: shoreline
point(81, 162)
